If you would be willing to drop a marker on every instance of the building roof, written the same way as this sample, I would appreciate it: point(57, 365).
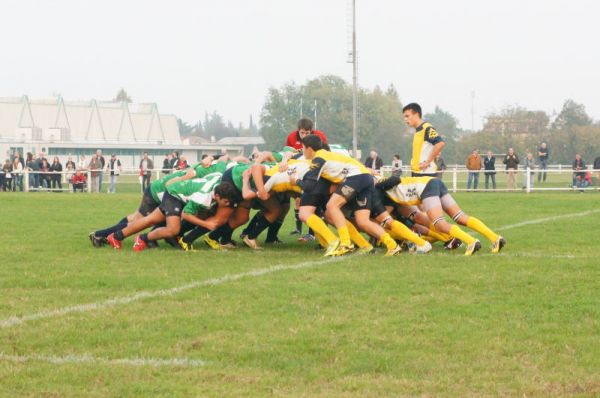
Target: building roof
point(56, 120)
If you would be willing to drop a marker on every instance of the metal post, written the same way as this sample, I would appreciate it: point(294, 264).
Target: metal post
point(354, 85)
point(528, 180)
point(315, 114)
point(25, 180)
point(454, 179)
point(89, 181)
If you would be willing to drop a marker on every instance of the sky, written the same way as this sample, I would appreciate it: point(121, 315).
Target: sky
point(192, 57)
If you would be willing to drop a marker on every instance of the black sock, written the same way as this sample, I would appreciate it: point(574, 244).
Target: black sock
point(252, 224)
point(103, 233)
point(311, 232)
point(144, 237)
point(261, 224)
point(195, 234)
point(298, 222)
point(186, 226)
point(119, 235)
point(226, 234)
point(273, 231)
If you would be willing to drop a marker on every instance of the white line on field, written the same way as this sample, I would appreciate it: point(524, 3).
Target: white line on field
point(112, 302)
point(553, 218)
point(88, 359)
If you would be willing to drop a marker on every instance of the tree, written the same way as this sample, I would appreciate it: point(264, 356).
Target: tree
point(447, 125)
point(571, 115)
point(184, 128)
point(122, 96)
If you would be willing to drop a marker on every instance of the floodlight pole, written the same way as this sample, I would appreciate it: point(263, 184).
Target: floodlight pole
point(354, 84)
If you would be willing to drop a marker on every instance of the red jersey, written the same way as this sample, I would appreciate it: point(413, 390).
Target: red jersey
point(294, 141)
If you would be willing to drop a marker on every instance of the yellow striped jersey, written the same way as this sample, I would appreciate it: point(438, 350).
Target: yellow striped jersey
point(409, 190)
point(423, 141)
point(279, 181)
point(335, 167)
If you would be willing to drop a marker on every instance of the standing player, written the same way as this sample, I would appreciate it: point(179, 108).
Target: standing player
point(427, 143)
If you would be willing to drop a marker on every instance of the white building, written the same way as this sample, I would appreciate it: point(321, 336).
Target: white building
point(62, 128)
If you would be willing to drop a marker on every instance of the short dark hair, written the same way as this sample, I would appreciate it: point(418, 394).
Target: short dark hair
point(204, 156)
point(313, 141)
point(226, 190)
point(397, 156)
point(413, 106)
point(305, 124)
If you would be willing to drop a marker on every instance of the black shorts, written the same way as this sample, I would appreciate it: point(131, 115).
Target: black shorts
point(171, 206)
point(353, 187)
point(378, 204)
point(318, 196)
point(434, 187)
point(228, 176)
point(148, 204)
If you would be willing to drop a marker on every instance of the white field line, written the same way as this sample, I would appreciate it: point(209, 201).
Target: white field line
point(546, 219)
point(112, 302)
point(116, 301)
point(88, 359)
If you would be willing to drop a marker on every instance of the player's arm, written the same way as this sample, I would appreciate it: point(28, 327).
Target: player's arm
point(240, 159)
point(192, 218)
point(191, 173)
point(388, 183)
point(432, 136)
point(265, 157)
point(247, 192)
point(257, 172)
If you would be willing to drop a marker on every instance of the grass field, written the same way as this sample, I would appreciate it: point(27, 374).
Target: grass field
point(79, 321)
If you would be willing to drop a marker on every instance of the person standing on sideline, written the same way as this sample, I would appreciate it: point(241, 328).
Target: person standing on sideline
point(489, 165)
point(146, 167)
point(427, 143)
point(7, 174)
point(17, 174)
point(70, 167)
point(56, 169)
point(114, 167)
point(579, 169)
point(596, 167)
point(474, 166)
point(373, 162)
point(529, 168)
point(102, 162)
point(166, 167)
point(95, 171)
point(82, 165)
point(441, 165)
point(511, 160)
point(174, 160)
point(396, 165)
point(543, 154)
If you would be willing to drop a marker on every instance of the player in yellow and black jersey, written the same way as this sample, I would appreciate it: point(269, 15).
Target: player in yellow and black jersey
point(427, 143)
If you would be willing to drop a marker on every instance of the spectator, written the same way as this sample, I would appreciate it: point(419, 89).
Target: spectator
point(114, 166)
point(45, 176)
point(167, 164)
point(543, 154)
point(17, 173)
point(82, 165)
point(511, 160)
point(6, 183)
point(440, 164)
point(56, 176)
point(102, 162)
point(529, 167)
point(474, 166)
point(579, 168)
point(182, 164)
point(19, 158)
point(174, 160)
point(70, 168)
point(396, 165)
point(78, 181)
point(489, 164)
point(374, 162)
point(95, 172)
point(597, 168)
point(146, 167)
point(32, 165)
point(305, 127)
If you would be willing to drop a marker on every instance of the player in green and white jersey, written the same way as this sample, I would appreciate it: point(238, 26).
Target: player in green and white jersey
point(181, 200)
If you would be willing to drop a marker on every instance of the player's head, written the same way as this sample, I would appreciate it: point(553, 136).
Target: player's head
point(413, 114)
point(226, 195)
point(311, 144)
point(305, 126)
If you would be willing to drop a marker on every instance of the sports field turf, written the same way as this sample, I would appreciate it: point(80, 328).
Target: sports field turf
point(80, 321)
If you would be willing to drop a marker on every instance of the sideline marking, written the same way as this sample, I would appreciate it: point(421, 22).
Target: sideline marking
point(542, 220)
point(112, 302)
point(88, 359)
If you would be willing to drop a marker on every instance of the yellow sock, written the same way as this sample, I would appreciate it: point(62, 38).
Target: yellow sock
point(344, 236)
point(477, 225)
point(401, 231)
point(458, 233)
point(429, 239)
point(321, 240)
point(388, 241)
point(437, 234)
point(356, 237)
point(319, 226)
